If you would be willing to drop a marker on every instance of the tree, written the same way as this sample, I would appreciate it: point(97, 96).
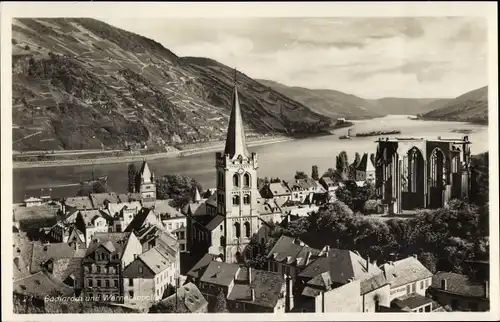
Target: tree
point(341, 166)
point(169, 306)
point(93, 187)
point(177, 187)
point(220, 303)
point(132, 172)
point(300, 175)
point(315, 172)
point(429, 260)
point(275, 180)
point(330, 173)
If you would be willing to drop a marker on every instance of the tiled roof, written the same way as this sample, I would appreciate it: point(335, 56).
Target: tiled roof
point(405, 271)
point(144, 172)
point(268, 207)
point(140, 220)
point(458, 284)
point(287, 251)
point(373, 283)
point(214, 223)
point(189, 299)
point(42, 253)
point(212, 200)
point(64, 267)
point(98, 199)
point(79, 203)
point(157, 259)
point(316, 267)
point(197, 270)
point(267, 286)
point(197, 209)
point(279, 188)
point(114, 208)
point(89, 216)
point(162, 207)
point(220, 273)
point(328, 181)
point(411, 301)
point(128, 197)
point(117, 240)
point(302, 184)
point(40, 285)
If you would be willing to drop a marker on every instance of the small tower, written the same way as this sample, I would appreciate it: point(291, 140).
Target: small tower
point(147, 186)
point(196, 196)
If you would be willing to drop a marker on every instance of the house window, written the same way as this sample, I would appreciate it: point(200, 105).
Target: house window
point(181, 235)
point(98, 283)
point(247, 229)
point(421, 309)
point(98, 269)
point(221, 228)
point(236, 180)
point(414, 287)
point(236, 200)
point(140, 269)
point(116, 283)
point(170, 226)
point(246, 199)
point(183, 247)
point(131, 294)
point(107, 283)
point(90, 283)
point(408, 289)
point(130, 282)
point(426, 283)
point(422, 285)
point(428, 308)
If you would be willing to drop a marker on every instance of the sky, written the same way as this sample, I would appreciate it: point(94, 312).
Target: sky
point(426, 57)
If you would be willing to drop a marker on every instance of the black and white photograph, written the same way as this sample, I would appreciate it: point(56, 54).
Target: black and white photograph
point(249, 163)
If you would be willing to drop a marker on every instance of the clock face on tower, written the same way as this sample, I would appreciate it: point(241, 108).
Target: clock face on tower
point(240, 170)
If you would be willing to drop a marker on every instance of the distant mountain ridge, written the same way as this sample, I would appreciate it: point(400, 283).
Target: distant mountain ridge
point(337, 104)
point(84, 84)
point(469, 107)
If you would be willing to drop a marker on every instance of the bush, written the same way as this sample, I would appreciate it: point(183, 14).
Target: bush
point(370, 207)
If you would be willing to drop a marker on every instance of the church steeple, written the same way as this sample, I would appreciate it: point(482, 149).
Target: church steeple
point(196, 195)
point(235, 141)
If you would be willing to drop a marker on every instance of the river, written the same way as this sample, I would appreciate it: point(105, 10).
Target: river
point(275, 160)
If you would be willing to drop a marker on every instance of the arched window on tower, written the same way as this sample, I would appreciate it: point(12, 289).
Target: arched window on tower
point(246, 199)
point(247, 229)
point(237, 231)
point(236, 180)
point(236, 200)
point(246, 180)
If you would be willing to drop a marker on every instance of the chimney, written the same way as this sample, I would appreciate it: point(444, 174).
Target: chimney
point(250, 275)
point(252, 290)
point(415, 255)
point(368, 264)
point(486, 289)
point(444, 284)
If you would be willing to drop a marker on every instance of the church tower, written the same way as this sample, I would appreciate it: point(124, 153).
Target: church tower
point(237, 191)
point(147, 185)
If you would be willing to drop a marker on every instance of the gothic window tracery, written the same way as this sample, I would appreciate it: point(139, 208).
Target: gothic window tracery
point(438, 171)
point(247, 229)
point(246, 180)
point(236, 180)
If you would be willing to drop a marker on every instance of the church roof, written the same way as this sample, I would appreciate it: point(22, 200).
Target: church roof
point(145, 172)
point(235, 141)
point(196, 196)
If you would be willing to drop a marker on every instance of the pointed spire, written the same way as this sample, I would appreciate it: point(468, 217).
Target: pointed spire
point(235, 141)
point(196, 197)
point(145, 173)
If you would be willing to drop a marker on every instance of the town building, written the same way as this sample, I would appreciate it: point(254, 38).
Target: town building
point(246, 289)
point(72, 204)
point(39, 285)
point(415, 303)
point(407, 277)
point(276, 190)
point(328, 184)
point(147, 278)
point(32, 202)
point(90, 222)
point(301, 188)
point(122, 214)
point(420, 173)
point(459, 292)
point(186, 299)
point(173, 220)
point(105, 258)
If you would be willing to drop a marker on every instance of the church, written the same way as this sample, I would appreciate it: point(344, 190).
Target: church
point(228, 223)
point(414, 173)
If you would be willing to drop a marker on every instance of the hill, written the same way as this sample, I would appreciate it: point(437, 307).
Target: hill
point(83, 84)
point(336, 104)
point(469, 107)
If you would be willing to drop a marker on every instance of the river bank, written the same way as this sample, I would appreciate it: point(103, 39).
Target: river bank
point(139, 157)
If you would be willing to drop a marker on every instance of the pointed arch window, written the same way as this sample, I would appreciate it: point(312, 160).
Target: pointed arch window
point(247, 229)
point(237, 230)
point(246, 199)
point(236, 180)
point(246, 180)
point(236, 200)
point(437, 168)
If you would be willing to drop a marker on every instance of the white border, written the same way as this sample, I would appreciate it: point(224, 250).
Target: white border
point(8, 10)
